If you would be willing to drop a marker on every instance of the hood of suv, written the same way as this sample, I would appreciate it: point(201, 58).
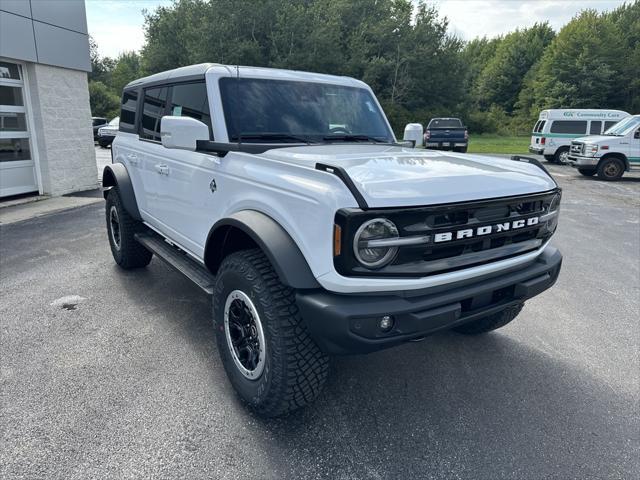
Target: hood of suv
point(390, 176)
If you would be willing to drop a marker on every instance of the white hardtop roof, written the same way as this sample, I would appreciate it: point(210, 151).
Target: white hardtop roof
point(581, 114)
point(219, 70)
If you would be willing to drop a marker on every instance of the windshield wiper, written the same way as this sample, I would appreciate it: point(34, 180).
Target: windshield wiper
point(271, 136)
point(353, 138)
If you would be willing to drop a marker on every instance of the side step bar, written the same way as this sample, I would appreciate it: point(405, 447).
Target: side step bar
point(177, 259)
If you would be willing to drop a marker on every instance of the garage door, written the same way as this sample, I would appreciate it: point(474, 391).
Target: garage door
point(17, 170)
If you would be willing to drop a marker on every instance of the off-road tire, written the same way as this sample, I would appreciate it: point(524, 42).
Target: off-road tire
point(295, 368)
point(557, 157)
point(611, 169)
point(490, 322)
point(587, 172)
point(129, 253)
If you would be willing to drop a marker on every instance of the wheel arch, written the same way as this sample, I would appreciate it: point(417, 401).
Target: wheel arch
point(250, 229)
point(116, 175)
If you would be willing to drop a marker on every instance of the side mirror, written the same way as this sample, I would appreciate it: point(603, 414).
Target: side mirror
point(182, 132)
point(637, 134)
point(413, 132)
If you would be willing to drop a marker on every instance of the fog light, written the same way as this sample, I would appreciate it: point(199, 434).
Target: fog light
point(386, 323)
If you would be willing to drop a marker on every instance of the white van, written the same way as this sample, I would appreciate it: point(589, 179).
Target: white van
point(555, 129)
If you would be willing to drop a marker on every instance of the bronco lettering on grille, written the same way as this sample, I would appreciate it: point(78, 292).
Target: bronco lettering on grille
point(485, 230)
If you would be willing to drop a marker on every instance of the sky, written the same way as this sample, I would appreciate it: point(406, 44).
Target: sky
point(117, 25)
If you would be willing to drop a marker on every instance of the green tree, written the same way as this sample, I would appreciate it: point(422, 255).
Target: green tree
point(499, 83)
point(103, 102)
point(127, 68)
point(580, 67)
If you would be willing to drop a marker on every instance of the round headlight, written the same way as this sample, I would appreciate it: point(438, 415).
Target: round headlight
point(368, 243)
point(555, 203)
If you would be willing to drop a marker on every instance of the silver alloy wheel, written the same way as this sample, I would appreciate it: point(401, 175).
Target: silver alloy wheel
point(114, 223)
point(564, 157)
point(244, 334)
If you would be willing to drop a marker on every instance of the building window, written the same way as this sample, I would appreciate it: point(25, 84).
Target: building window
point(17, 168)
point(14, 134)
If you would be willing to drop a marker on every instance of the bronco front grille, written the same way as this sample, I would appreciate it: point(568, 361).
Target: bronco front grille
point(460, 235)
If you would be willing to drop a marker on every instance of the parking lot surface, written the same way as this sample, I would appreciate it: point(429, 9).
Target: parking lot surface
point(114, 374)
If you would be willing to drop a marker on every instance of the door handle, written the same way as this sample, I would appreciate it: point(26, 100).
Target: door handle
point(162, 169)
point(133, 158)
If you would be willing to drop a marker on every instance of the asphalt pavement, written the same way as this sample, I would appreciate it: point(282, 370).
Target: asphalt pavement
point(113, 374)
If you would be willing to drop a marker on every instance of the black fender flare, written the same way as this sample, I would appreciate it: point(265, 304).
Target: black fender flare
point(116, 175)
point(283, 253)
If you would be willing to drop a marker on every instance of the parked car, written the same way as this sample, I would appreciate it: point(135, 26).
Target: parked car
point(97, 123)
point(285, 196)
point(107, 133)
point(446, 134)
point(556, 129)
point(611, 154)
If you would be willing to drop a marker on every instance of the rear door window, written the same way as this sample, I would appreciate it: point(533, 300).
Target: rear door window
point(577, 127)
point(154, 106)
point(128, 111)
point(190, 100)
point(541, 126)
point(595, 127)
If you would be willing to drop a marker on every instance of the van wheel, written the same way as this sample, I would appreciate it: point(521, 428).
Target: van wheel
point(610, 169)
point(267, 353)
point(490, 322)
point(561, 156)
point(121, 228)
point(587, 172)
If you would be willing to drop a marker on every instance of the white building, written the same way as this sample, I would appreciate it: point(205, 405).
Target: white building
point(46, 139)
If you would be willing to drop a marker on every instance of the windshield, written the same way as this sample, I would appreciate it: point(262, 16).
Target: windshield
point(281, 111)
point(625, 126)
point(445, 123)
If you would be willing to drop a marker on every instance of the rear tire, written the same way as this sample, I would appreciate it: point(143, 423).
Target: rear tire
point(490, 322)
point(271, 360)
point(121, 228)
point(561, 156)
point(587, 172)
point(611, 169)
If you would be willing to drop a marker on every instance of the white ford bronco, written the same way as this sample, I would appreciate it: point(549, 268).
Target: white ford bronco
point(610, 154)
point(286, 197)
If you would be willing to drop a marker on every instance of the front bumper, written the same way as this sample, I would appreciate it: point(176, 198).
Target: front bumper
point(347, 324)
point(583, 162)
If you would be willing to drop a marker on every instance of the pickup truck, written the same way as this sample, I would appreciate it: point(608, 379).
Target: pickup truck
point(446, 134)
point(285, 196)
